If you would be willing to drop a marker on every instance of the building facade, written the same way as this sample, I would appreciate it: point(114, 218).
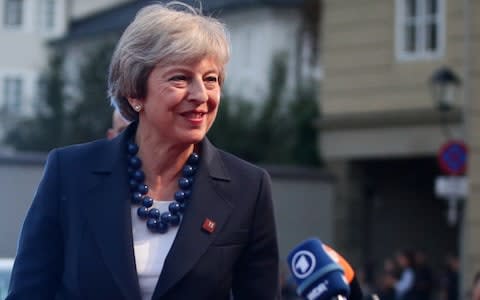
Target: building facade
point(381, 130)
point(26, 26)
point(258, 31)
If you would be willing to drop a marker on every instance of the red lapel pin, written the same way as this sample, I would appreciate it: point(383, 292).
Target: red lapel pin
point(208, 225)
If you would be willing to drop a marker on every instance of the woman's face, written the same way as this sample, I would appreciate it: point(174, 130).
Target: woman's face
point(181, 101)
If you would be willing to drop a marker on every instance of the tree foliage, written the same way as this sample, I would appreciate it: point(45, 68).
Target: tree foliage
point(91, 116)
point(46, 129)
point(278, 130)
point(62, 120)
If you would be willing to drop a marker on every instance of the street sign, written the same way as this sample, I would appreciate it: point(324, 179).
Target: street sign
point(451, 187)
point(452, 158)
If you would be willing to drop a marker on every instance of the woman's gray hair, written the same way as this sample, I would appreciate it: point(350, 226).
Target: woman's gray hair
point(162, 34)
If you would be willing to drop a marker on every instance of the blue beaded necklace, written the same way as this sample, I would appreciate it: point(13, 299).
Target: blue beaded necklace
point(157, 221)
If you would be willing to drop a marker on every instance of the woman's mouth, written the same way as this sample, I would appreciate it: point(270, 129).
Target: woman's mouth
point(193, 115)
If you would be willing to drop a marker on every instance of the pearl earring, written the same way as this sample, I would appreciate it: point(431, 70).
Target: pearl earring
point(137, 107)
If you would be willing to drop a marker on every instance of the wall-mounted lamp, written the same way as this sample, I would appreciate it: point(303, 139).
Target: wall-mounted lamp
point(444, 85)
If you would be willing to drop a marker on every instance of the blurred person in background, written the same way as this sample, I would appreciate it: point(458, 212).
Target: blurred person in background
point(423, 283)
point(118, 124)
point(386, 280)
point(157, 212)
point(405, 283)
point(365, 279)
point(390, 266)
point(476, 287)
point(449, 288)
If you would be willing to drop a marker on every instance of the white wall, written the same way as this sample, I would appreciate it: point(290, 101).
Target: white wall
point(24, 50)
point(32, 17)
point(81, 8)
point(18, 183)
point(303, 209)
point(256, 35)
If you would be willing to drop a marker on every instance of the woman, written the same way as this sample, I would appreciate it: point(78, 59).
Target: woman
point(157, 212)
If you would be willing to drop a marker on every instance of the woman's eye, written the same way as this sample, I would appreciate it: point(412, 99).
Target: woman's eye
point(178, 78)
point(211, 79)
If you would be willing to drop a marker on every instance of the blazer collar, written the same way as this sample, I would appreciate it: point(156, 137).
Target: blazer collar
point(110, 217)
point(114, 151)
point(210, 200)
point(108, 212)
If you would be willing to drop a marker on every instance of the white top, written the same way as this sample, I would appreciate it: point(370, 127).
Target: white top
point(405, 283)
point(151, 249)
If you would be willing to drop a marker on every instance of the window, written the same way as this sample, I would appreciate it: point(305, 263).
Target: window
point(13, 13)
point(47, 15)
point(41, 93)
point(419, 29)
point(12, 88)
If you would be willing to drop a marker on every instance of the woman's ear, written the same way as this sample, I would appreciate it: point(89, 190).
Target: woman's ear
point(135, 104)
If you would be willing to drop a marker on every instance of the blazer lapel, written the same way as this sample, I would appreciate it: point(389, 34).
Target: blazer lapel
point(209, 200)
point(109, 214)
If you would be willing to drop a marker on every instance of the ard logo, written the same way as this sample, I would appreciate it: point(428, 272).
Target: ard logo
point(303, 264)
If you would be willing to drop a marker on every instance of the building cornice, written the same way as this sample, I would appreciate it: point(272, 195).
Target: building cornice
point(298, 173)
point(393, 118)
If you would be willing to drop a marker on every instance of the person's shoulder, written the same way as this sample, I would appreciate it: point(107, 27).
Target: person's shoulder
point(81, 148)
point(83, 152)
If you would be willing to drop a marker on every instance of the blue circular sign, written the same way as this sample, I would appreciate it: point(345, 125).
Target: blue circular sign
point(452, 158)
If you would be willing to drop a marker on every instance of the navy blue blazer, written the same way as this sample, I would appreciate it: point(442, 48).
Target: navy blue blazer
point(76, 241)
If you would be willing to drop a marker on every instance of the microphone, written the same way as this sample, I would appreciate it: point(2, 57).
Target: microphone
point(347, 269)
point(355, 289)
point(317, 275)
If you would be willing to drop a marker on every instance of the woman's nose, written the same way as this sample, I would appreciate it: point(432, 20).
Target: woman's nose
point(198, 91)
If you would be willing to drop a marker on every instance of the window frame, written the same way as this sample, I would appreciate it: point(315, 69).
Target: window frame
point(420, 22)
point(13, 93)
point(41, 92)
point(48, 15)
point(19, 14)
